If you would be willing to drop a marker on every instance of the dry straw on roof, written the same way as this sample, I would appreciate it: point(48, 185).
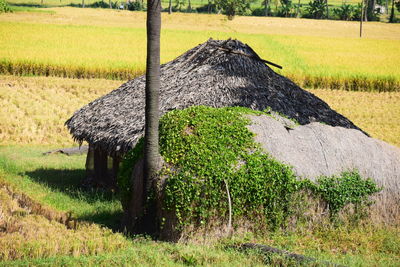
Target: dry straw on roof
point(215, 73)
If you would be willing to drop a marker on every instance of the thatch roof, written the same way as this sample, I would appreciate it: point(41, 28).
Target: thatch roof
point(217, 74)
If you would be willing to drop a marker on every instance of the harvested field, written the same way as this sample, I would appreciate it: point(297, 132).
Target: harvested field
point(42, 122)
point(66, 44)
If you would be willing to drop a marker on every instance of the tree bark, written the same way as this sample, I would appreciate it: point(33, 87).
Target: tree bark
point(83, 3)
point(152, 158)
point(189, 6)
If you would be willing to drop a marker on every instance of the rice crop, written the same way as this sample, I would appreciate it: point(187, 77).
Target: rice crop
point(33, 109)
point(111, 44)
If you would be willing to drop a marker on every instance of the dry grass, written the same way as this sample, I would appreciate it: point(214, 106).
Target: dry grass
point(27, 233)
point(33, 109)
point(317, 53)
point(376, 113)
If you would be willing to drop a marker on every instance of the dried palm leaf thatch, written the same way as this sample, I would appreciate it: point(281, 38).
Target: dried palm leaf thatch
point(217, 73)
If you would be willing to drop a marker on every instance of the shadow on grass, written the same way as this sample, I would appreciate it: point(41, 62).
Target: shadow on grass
point(68, 182)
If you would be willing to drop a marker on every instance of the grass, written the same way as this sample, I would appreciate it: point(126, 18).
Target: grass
point(314, 53)
point(24, 121)
point(43, 243)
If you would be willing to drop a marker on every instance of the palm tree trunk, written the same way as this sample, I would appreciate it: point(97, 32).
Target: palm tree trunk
point(327, 9)
point(266, 8)
point(152, 158)
point(170, 7)
point(391, 19)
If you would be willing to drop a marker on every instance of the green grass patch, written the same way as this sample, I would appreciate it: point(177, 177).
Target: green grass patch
point(55, 180)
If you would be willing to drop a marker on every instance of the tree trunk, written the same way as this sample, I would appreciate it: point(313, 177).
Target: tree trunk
point(109, 2)
point(298, 10)
point(170, 7)
point(189, 6)
point(366, 10)
point(266, 8)
point(83, 3)
point(327, 9)
point(152, 158)
point(391, 19)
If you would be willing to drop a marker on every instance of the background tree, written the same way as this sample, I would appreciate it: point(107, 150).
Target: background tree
point(316, 9)
point(233, 7)
point(266, 7)
point(392, 18)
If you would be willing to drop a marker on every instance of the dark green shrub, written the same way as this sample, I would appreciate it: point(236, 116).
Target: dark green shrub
point(134, 6)
point(287, 9)
point(348, 188)
point(344, 12)
point(316, 9)
point(209, 8)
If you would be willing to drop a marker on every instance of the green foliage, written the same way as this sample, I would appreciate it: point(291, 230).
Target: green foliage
point(234, 7)
point(286, 9)
point(134, 6)
point(4, 8)
point(316, 9)
point(207, 147)
point(125, 171)
point(348, 188)
point(344, 12)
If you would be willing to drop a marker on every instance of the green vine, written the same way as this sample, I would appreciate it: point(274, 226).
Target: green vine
point(125, 171)
point(348, 188)
point(204, 147)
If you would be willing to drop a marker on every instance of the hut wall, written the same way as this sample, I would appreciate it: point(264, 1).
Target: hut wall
point(101, 169)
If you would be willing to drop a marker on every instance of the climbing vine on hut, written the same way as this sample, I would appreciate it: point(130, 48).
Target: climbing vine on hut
point(206, 148)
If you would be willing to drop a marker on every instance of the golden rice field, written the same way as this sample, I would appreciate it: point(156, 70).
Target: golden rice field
point(33, 109)
point(73, 42)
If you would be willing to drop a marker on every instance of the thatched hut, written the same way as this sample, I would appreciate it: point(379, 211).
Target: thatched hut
point(217, 74)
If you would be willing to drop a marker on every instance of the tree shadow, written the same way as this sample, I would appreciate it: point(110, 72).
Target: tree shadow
point(69, 182)
point(29, 5)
